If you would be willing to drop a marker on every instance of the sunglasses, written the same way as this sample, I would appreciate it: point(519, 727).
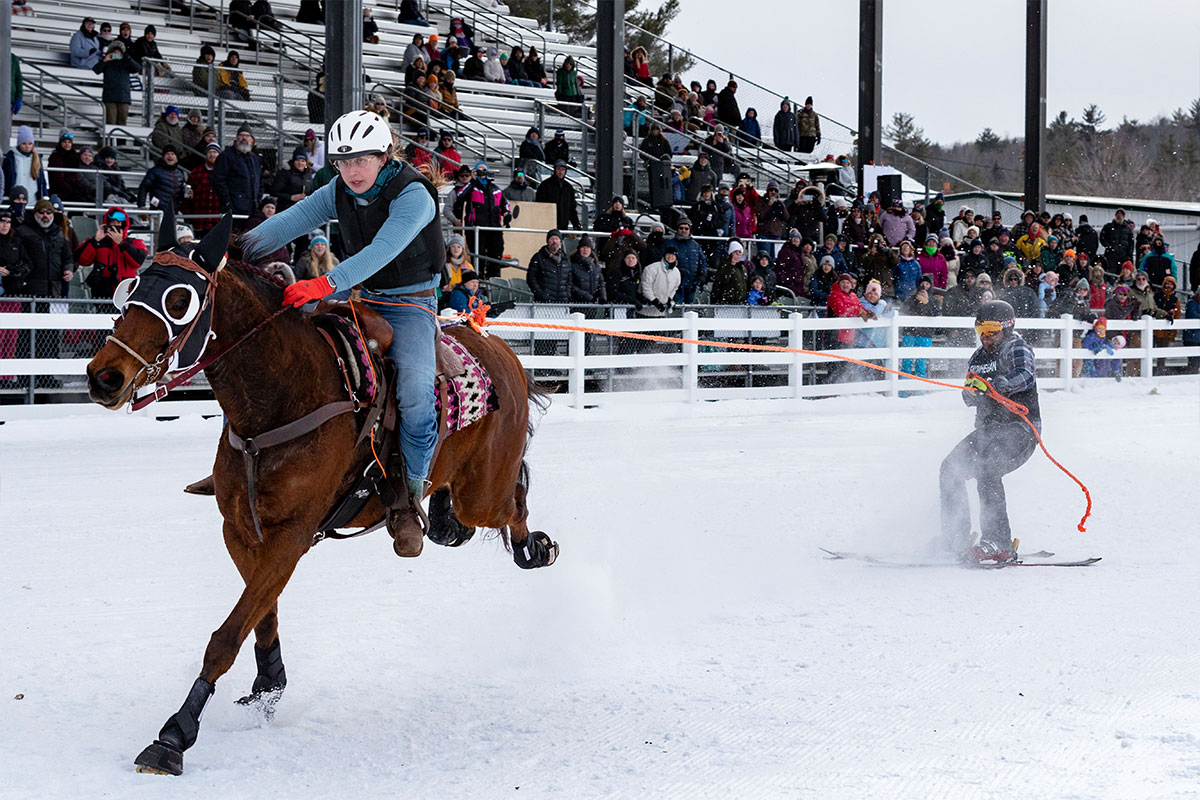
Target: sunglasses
point(44, 212)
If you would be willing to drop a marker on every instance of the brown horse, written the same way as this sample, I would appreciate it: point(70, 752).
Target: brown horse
point(280, 374)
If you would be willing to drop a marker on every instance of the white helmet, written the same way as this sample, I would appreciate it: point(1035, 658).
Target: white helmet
point(358, 133)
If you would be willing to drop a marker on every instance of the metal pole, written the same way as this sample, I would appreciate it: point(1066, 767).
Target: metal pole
point(1035, 103)
point(550, 22)
point(343, 59)
point(926, 189)
point(6, 77)
point(281, 160)
point(610, 91)
point(212, 97)
point(870, 85)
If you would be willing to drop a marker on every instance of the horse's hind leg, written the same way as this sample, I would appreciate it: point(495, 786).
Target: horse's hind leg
point(273, 565)
point(531, 549)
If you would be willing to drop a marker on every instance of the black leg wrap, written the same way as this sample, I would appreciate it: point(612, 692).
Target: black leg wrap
point(271, 676)
point(444, 527)
point(537, 551)
point(165, 755)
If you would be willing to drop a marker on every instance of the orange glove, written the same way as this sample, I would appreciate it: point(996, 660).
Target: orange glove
point(302, 292)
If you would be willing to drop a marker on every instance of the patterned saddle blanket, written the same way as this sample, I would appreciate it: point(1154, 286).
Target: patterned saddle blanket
point(467, 396)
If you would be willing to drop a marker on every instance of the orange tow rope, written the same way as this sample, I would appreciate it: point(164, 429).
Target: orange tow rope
point(476, 317)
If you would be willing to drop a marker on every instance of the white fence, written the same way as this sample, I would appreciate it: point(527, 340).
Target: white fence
point(597, 370)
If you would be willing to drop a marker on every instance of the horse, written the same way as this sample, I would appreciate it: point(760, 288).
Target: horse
point(278, 373)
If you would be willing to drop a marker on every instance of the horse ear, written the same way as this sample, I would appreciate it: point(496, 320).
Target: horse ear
point(166, 229)
point(215, 244)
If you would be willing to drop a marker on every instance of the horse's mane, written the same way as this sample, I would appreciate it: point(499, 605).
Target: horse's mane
point(257, 277)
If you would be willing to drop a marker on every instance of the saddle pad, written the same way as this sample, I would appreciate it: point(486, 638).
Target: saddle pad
point(353, 353)
point(470, 396)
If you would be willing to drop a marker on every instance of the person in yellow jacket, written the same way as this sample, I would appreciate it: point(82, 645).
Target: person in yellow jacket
point(1031, 243)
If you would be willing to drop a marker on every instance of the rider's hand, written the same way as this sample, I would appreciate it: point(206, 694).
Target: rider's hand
point(301, 292)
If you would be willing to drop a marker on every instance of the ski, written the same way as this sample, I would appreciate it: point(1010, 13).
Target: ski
point(835, 555)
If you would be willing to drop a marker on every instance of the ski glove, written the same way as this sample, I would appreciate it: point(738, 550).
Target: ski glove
point(976, 384)
point(301, 292)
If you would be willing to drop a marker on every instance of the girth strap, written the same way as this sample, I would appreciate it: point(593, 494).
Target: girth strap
point(251, 447)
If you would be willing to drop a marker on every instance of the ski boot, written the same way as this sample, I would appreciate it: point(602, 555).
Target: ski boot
point(988, 552)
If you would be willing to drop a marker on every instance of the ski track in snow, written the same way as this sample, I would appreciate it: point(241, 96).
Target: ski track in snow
point(691, 641)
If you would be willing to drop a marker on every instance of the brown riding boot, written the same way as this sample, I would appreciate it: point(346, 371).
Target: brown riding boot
point(203, 486)
point(408, 524)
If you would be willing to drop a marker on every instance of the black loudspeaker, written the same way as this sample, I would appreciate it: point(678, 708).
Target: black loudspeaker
point(888, 187)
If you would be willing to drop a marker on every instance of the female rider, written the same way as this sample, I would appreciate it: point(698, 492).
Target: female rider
point(387, 213)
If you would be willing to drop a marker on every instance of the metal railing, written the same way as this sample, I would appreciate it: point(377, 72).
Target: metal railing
point(474, 142)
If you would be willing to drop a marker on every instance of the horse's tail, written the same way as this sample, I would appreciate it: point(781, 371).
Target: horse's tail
point(539, 400)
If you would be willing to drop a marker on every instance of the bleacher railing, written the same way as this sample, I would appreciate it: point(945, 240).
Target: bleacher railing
point(47, 352)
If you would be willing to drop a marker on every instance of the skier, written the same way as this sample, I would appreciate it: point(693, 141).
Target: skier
point(1000, 443)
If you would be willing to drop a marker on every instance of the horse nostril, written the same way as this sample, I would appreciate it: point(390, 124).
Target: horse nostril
point(110, 380)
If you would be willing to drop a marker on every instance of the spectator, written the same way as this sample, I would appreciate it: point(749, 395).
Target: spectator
point(843, 303)
point(933, 262)
point(785, 131)
point(370, 28)
point(855, 228)
point(86, 47)
point(14, 269)
point(163, 183)
point(1098, 288)
point(751, 131)
point(533, 68)
point(727, 106)
point(461, 295)
point(531, 154)
point(566, 83)
point(1158, 263)
point(458, 260)
point(50, 261)
point(556, 189)
point(1030, 243)
point(622, 276)
point(68, 185)
point(167, 130)
point(117, 90)
point(410, 13)
point(415, 50)
point(472, 69)
point(432, 49)
point(612, 218)
point(822, 282)
point(483, 205)
point(789, 264)
point(314, 149)
point(203, 207)
point(1166, 303)
point(1086, 238)
point(918, 218)
point(516, 67)
point(231, 81)
point(641, 65)
point(721, 152)
point(829, 248)
point(1028, 218)
point(1051, 254)
point(963, 300)
point(946, 248)
point(897, 226)
point(1095, 341)
point(879, 264)
point(125, 36)
point(17, 207)
point(1047, 292)
point(204, 67)
point(16, 84)
point(1021, 297)
point(493, 68)
point(237, 175)
point(874, 302)
point(106, 36)
point(692, 263)
point(449, 95)
point(702, 174)
point(519, 190)
point(744, 222)
point(463, 33)
point(1191, 336)
point(312, 12)
point(763, 268)
point(636, 115)
point(729, 283)
point(191, 139)
point(920, 304)
point(808, 126)
point(557, 148)
point(448, 158)
point(316, 260)
point(959, 226)
point(112, 253)
point(1117, 239)
point(587, 277)
point(1194, 269)
point(549, 274)
point(907, 272)
point(114, 190)
point(294, 183)
point(660, 284)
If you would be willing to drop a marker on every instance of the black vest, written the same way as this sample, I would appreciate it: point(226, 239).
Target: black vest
point(421, 260)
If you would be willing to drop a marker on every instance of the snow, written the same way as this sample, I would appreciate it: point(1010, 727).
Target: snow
point(691, 641)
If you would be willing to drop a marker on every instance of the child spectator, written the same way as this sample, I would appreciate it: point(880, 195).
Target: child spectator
point(1094, 341)
point(458, 260)
point(821, 285)
point(466, 291)
point(757, 296)
point(763, 268)
point(906, 272)
point(750, 130)
point(919, 304)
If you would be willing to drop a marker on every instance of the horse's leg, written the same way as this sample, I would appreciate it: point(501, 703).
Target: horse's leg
point(444, 526)
point(531, 549)
point(271, 678)
point(273, 566)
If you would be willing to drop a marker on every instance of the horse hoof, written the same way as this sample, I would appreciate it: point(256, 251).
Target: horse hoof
point(539, 550)
point(264, 700)
point(160, 758)
point(450, 534)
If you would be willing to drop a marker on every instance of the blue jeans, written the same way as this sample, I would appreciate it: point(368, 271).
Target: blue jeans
point(416, 369)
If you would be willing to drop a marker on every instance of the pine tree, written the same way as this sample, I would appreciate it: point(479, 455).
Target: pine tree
point(987, 140)
point(909, 138)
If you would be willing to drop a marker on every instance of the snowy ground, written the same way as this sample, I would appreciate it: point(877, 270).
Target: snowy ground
point(691, 642)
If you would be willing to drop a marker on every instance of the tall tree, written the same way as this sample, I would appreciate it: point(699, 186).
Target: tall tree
point(987, 140)
point(908, 137)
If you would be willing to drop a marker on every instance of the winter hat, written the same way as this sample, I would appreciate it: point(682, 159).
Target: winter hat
point(933, 237)
point(1101, 322)
point(212, 146)
point(1122, 289)
point(827, 260)
point(65, 134)
point(1126, 265)
point(24, 134)
point(983, 278)
point(458, 240)
point(171, 110)
point(267, 200)
point(586, 241)
point(299, 152)
point(1083, 219)
point(170, 148)
point(1082, 283)
point(672, 249)
point(43, 205)
point(318, 237)
point(808, 100)
point(552, 233)
point(85, 149)
point(244, 128)
point(151, 29)
point(469, 275)
point(207, 50)
point(772, 185)
point(735, 247)
point(1069, 253)
point(18, 193)
point(1052, 238)
point(794, 234)
point(1009, 261)
point(1083, 256)
point(847, 276)
point(182, 231)
point(1169, 279)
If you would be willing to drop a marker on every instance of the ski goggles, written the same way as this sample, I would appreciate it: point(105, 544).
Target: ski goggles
point(992, 326)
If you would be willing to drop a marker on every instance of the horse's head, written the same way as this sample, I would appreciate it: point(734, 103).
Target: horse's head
point(166, 317)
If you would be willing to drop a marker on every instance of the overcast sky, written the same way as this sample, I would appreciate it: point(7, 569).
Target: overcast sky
point(956, 67)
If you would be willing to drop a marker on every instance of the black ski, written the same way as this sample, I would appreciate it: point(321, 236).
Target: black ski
point(1022, 562)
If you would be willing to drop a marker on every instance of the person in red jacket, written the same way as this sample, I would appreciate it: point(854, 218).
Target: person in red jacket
point(843, 302)
point(112, 254)
point(203, 207)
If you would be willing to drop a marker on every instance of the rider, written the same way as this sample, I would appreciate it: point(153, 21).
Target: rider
point(1001, 441)
point(387, 213)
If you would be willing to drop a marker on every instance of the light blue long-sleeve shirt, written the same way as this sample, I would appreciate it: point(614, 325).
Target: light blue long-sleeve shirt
point(411, 211)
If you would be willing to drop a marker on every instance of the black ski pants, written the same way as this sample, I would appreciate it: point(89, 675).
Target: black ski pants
point(987, 454)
